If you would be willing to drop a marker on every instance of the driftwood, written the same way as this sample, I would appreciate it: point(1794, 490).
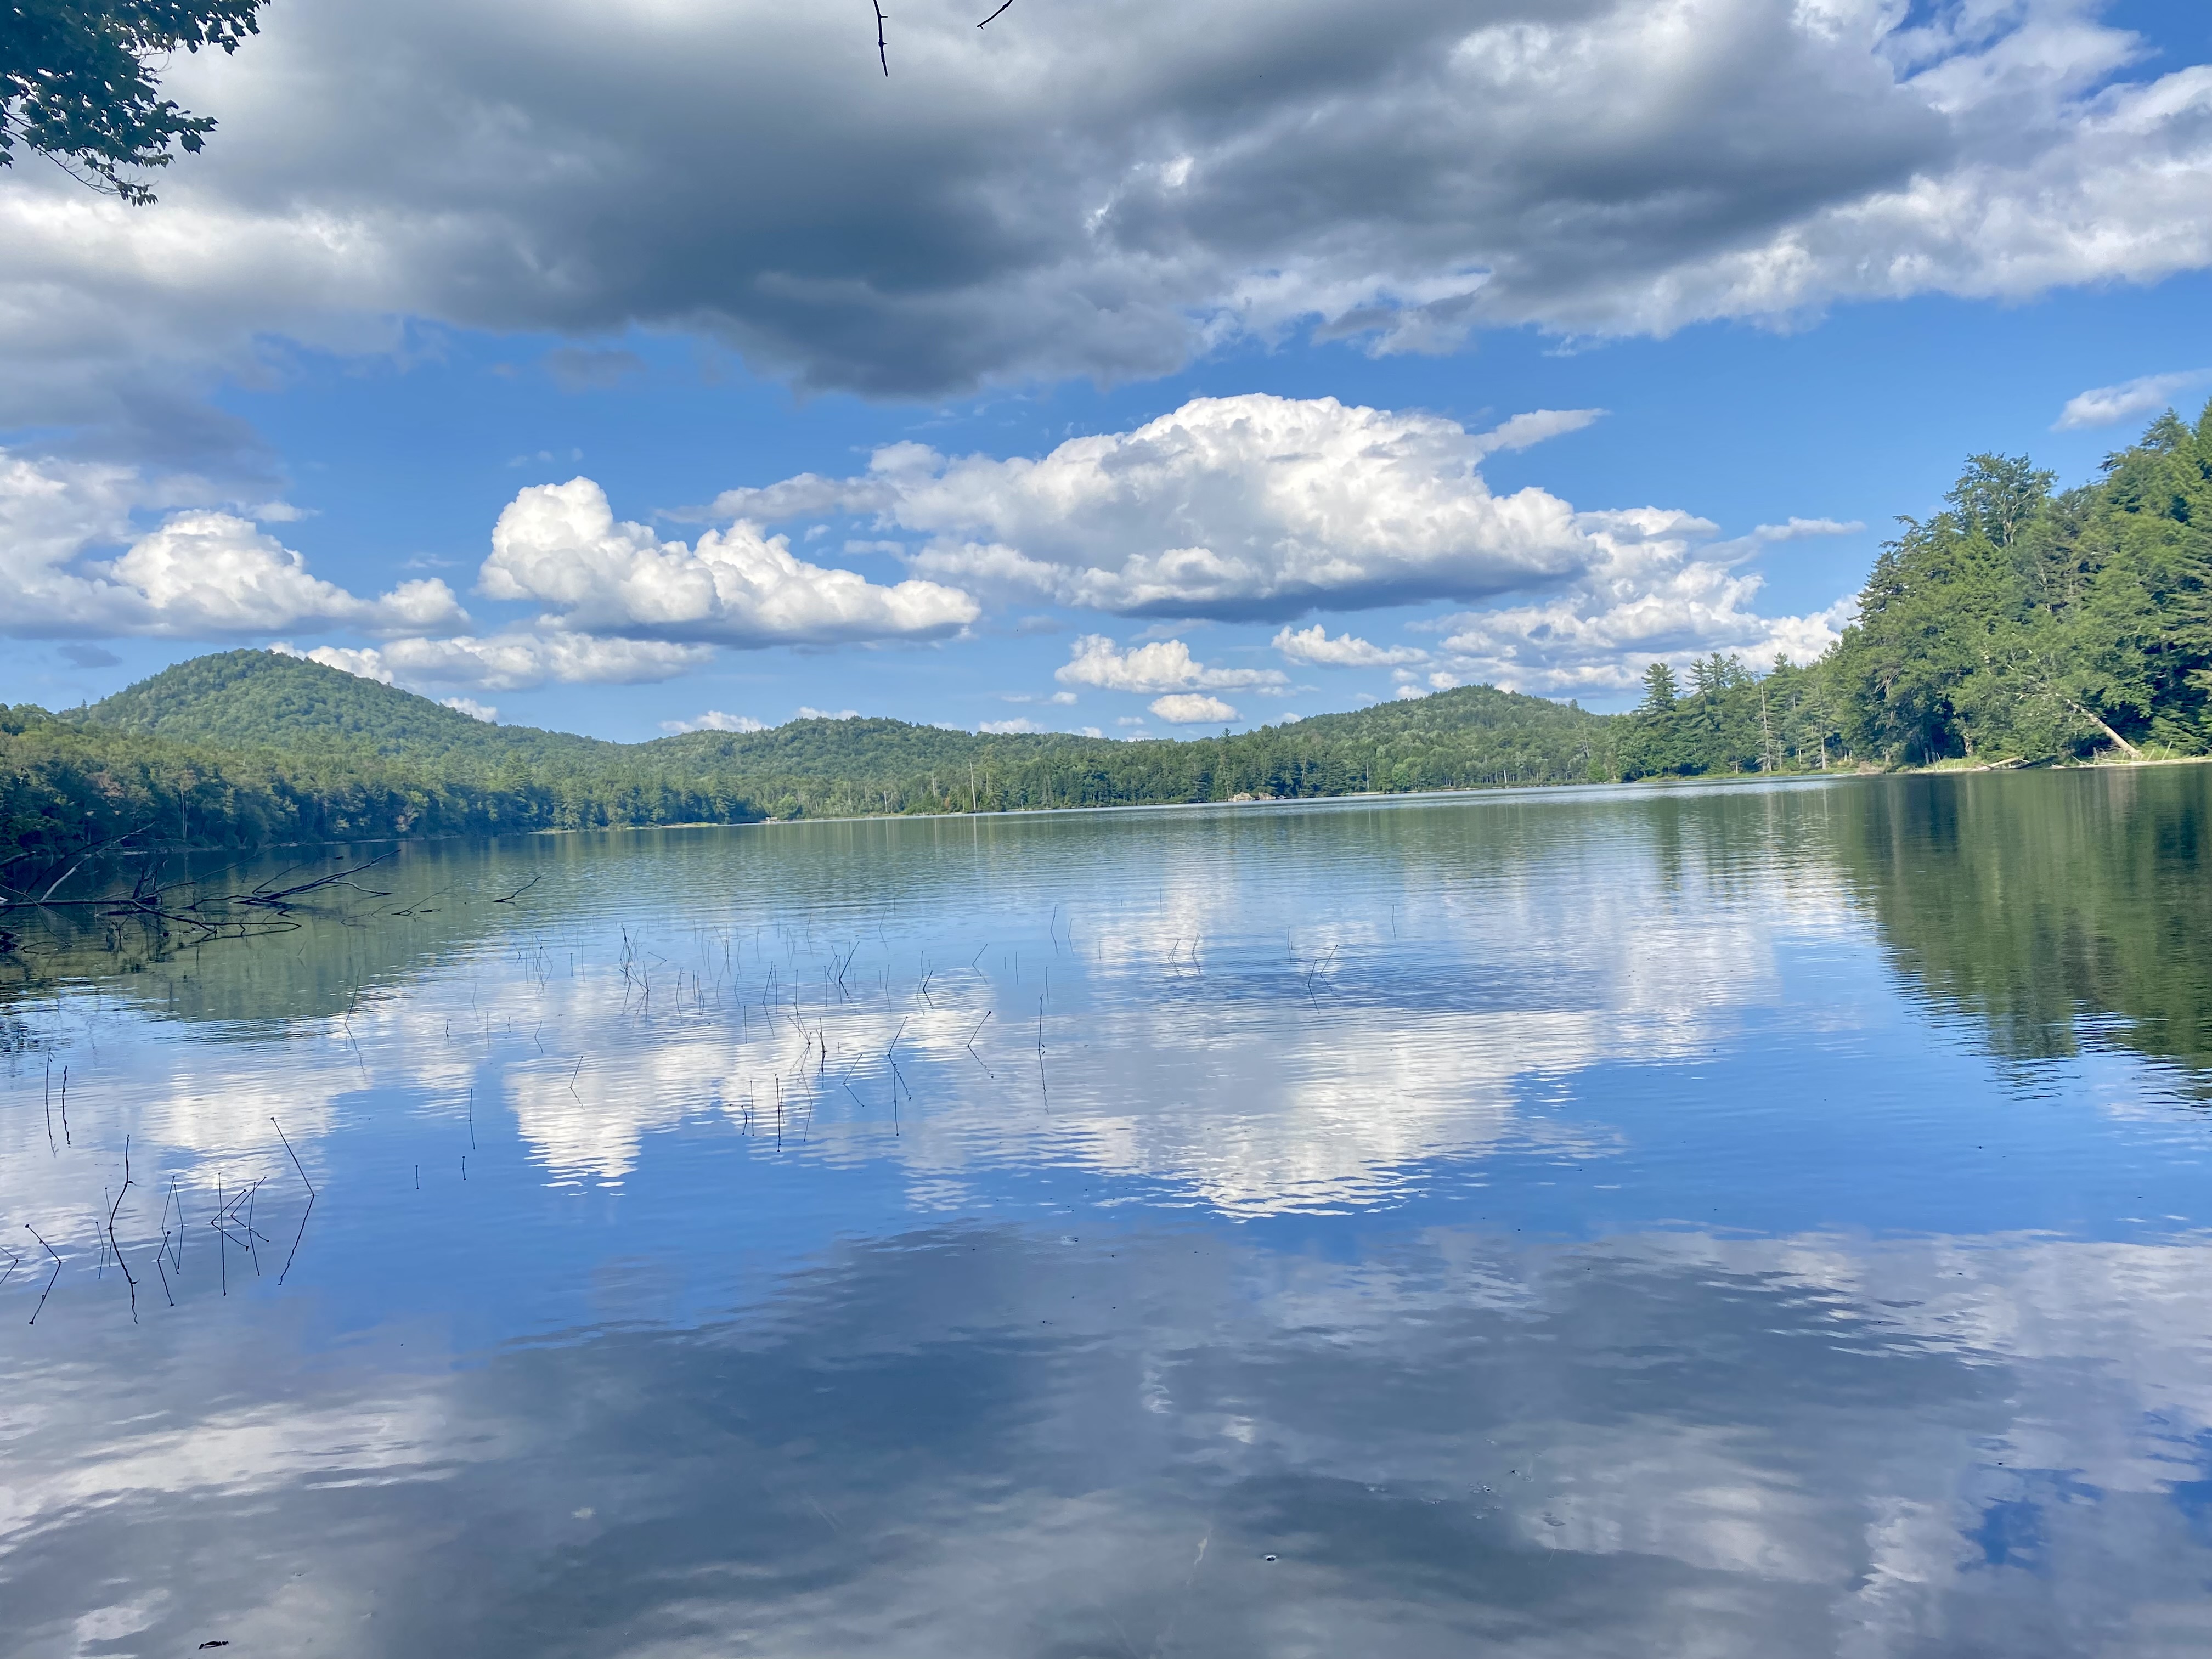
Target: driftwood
point(206, 915)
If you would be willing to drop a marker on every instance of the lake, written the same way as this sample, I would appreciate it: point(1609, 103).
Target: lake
point(1753, 1220)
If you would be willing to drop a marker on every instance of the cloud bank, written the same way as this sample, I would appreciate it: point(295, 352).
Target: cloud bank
point(1256, 508)
point(1242, 508)
point(1069, 197)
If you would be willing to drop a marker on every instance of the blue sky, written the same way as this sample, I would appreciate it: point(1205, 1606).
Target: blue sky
point(1804, 259)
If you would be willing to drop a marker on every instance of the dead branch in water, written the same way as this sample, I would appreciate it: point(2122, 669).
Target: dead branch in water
point(521, 891)
point(56, 1255)
point(114, 1243)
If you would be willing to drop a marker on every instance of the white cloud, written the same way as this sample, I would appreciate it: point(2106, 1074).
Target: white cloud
point(201, 572)
point(1064, 699)
point(361, 663)
point(1163, 666)
point(1663, 588)
point(472, 708)
point(2107, 405)
point(1191, 708)
point(1797, 530)
point(807, 714)
point(513, 662)
point(1241, 507)
point(209, 572)
point(560, 545)
point(1063, 200)
point(1524, 431)
point(1003, 728)
point(1313, 646)
point(1319, 504)
point(715, 721)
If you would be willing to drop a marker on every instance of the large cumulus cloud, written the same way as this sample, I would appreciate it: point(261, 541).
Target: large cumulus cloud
point(1100, 191)
point(1235, 507)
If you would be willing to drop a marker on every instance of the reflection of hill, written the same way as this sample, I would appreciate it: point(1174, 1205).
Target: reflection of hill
point(2039, 903)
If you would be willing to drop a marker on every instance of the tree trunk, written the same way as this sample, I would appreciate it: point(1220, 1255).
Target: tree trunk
point(2133, 752)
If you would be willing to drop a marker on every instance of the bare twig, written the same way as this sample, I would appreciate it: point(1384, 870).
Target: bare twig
point(56, 1255)
point(977, 1032)
point(101, 847)
point(995, 16)
point(115, 1244)
point(883, 52)
point(336, 879)
point(282, 1136)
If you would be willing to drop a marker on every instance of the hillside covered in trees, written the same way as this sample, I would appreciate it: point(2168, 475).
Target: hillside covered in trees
point(250, 748)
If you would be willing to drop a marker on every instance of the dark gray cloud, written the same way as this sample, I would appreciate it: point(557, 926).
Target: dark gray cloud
point(1100, 193)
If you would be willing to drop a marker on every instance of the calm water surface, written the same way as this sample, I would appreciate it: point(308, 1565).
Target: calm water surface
point(1754, 1221)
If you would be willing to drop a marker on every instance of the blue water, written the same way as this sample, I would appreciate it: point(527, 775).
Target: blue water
point(1745, 1220)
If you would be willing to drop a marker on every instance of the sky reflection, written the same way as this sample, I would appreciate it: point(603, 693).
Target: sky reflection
point(1551, 1223)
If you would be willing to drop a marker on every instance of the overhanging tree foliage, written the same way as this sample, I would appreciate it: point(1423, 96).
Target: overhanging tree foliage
point(2017, 625)
point(79, 82)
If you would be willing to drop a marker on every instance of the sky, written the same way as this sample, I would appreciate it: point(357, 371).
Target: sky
point(1140, 368)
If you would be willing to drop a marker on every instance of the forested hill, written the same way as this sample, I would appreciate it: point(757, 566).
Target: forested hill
point(261, 699)
point(248, 748)
point(1468, 738)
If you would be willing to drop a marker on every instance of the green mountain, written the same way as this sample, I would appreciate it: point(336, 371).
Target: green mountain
point(259, 699)
point(248, 748)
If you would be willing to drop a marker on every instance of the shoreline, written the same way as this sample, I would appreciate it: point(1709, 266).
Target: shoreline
point(1941, 768)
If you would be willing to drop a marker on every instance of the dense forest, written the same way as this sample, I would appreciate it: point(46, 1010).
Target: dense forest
point(2018, 625)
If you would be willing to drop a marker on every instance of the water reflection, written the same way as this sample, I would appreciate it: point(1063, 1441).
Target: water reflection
point(2037, 904)
point(1737, 1221)
point(972, 1440)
